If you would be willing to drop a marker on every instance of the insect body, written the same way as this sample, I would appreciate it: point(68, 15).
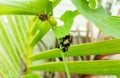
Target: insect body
point(65, 43)
point(43, 17)
point(50, 19)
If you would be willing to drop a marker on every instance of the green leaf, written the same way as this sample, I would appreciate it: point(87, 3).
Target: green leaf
point(67, 18)
point(92, 4)
point(60, 32)
point(55, 2)
point(99, 3)
point(28, 7)
point(6, 47)
point(8, 44)
point(103, 67)
point(3, 72)
point(96, 48)
point(31, 76)
point(21, 32)
point(43, 29)
point(108, 24)
point(34, 25)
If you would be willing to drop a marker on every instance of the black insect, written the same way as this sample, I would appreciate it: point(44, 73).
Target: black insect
point(43, 17)
point(65, 43)
point(64, 49)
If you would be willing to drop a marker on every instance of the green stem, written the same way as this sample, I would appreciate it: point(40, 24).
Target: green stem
point(29, 48)
point(65, 64)
point(29, 52)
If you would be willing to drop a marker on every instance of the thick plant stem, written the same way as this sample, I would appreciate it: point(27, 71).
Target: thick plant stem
point(65, 64)
point(29, 49)
point(29, 52)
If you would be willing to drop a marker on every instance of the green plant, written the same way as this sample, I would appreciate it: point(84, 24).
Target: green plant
point(23, 30)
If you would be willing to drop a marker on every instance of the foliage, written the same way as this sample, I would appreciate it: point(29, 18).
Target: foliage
point(105, 22)
point(21, 30)
point(30, 7)
point(67, 18)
